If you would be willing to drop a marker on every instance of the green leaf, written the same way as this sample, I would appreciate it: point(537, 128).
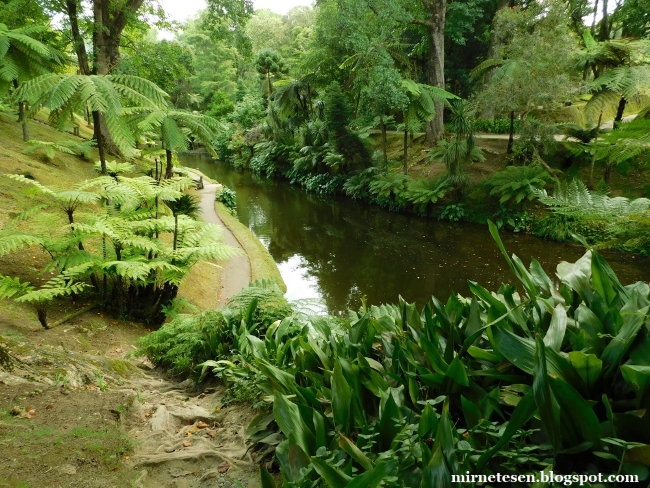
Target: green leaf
point(457, 372)
point(341, 399)
point(266, 479)
point(522, 413)
point(549, 410)
point(287, 415)
point(637, 376)
point(577, 415)
point(428, 425)
point(588, 366)
point(334, 477)
point(555, 333)
point(616, 349)
point(355, 453)
point(370, 479)
point(436, 474)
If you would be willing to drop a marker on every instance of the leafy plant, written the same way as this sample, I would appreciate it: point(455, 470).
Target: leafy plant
point(49, 149)
point(514, 221)
point(453, 212)
point(229, 198)
point(518, 183)
point(425, 193)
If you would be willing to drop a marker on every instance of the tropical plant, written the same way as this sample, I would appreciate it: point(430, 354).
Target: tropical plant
point(424, 193)
point(544, 376)
point(518, 183)
point(623, 222)
point(420, 109)
point(106, 96)
point(229, 198)
point(23, 57)
point(269, 63)
point(125, 242)
point(462, 149)
point(49, 149)
point(176, 128)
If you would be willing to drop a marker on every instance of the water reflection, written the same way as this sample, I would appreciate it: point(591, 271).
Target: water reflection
point(338, 250)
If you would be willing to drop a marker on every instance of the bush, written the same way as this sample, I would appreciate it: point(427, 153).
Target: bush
point(229, 198)
point(496, 126)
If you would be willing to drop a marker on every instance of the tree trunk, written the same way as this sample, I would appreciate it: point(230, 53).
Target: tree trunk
point(175, 232)
point(169, 171)
point(511, 136)
point(593, 21)
point(99, 140)
point(436, 63)
point(406, 162)
point(41, 313)
point(77, 40)
point(21, 115)
point(603, 33)
point(593, 157)
point(619, 112)
point(608, 172)
point(383, 140)
point(268, 77)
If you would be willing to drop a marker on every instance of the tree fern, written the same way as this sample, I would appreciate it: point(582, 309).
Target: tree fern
point(518, 182)
point(423, 193)
point(49, 149)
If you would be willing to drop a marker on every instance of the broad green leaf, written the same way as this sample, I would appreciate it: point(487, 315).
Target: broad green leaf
point(266, 479)
point(632, 323)
point(555, 333)
point(588, 366)
point(457, 373)
point(341, 399)
point(287, 415)
point(428, 425)
point(547, 406)
point(355, 453)
point(521, 414)
point(576, 413)
point(370, 479)
point(334, 477)
point(637, 376)
point(445, 439)
point(436, 474)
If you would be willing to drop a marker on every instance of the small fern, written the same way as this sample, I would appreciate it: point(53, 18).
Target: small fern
point(518, 182)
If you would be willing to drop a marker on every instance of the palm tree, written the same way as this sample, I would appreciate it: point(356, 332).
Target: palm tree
point(21, 58)
point(176, 129)
point(106, 96)
point(420, 109)
point(455, 154)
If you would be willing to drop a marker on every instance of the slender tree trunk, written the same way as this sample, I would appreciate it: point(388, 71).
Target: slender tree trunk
point(41, 313)
point(383, 140)
point(593, 156)
point(175, 231)
point(608, 172)
point(268, 77)
point(593, 21)
point(436, 62)
point(619, 112)
point(99, 140)
point(169, 172)
point(406, 162)
point(603, 33)
point(511, 136)
point(79, 46)
point(21, 115)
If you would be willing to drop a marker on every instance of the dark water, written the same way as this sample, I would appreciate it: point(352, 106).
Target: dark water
point(338, 250)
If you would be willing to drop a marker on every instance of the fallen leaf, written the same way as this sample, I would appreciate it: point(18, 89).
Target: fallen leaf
point(202, 425)
point(212, 433)
point(187, 444)
point(49, 406)
point(127, 457)
point(223, 467)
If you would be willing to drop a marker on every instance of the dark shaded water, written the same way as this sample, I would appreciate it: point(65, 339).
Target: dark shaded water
point(338, 250)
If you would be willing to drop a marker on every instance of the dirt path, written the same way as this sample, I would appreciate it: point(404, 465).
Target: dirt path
point(236, 273)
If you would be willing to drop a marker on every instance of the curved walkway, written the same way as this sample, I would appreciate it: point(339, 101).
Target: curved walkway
point(236, 272)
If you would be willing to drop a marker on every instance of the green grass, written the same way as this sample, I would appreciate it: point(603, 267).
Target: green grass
point(262, 264)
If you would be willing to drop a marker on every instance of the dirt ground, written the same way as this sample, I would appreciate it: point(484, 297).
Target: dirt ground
point(75, 411)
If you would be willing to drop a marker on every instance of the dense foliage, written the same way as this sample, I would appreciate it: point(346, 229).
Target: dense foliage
point(548, 375)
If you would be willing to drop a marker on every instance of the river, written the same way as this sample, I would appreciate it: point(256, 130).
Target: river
point(337, 250)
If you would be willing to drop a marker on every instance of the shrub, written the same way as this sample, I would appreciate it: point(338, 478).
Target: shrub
point(229, 198)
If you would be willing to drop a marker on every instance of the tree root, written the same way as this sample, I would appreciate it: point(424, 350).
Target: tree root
point(72, 315)
point(156, 459)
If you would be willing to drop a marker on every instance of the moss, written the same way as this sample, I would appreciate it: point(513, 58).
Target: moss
point(121, 367)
